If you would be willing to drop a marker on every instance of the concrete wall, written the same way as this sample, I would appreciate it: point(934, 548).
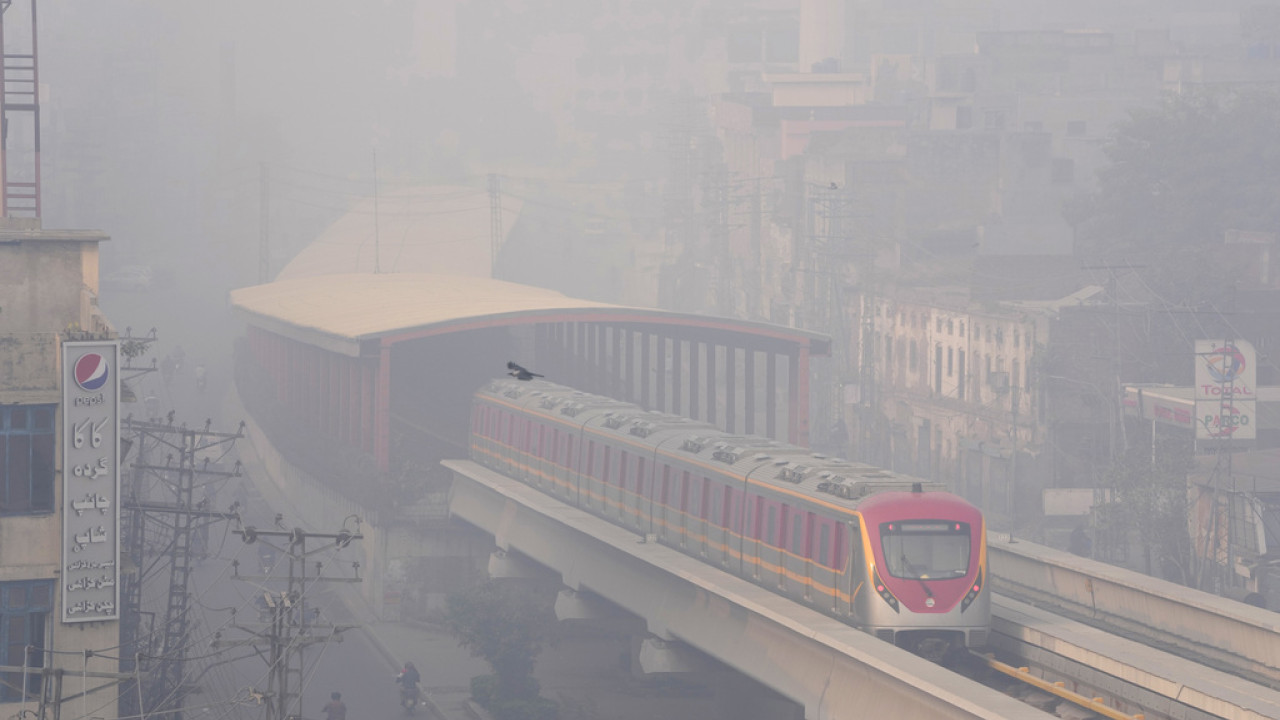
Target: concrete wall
point(43, 283)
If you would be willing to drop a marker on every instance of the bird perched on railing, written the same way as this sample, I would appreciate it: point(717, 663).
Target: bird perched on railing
point(520, 373)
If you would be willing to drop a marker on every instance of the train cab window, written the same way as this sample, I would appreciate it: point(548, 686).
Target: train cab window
point(926, 549)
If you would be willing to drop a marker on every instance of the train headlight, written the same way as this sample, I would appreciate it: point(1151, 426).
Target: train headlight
point(883, 591)
point(974, 591)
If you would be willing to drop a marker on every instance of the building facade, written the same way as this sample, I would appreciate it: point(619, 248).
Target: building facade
point(55, 643)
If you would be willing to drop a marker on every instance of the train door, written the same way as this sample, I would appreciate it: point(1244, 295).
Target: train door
point(664, 502)
point(705, 511)
point(684, 514)
point(606, 476)
point(800, 535)
point(643, 485)
point(784, 522)
point(757, 528)
point(855, 568)
point(625, 504)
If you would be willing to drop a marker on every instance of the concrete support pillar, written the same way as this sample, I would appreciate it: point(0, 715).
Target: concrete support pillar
point(713, 399)
point(503, 564)
point(749, 384)
point(677, 375)
point(576, 605)
point(656, 655)
point(731, 388)
point(660, 359)
point(646, 349)
point(695, 380)
point(771, 395)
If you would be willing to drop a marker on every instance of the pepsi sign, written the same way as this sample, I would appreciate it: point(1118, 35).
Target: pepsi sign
point(91, 372)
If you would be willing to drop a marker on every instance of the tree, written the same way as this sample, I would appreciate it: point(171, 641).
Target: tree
point(507, 629)
point(1180, 176)
point(1149, 500)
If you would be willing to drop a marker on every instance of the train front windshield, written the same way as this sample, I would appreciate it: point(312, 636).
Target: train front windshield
point(926, 549)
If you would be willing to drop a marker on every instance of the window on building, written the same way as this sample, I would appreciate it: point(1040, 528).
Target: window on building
point(960, 371)
point(1017, 375)
point(1017, 337)
point(939, 324)
point(912, 362)
point(24, 613)
point(962, 328)
point(951, 327)
point(951, 359)
point(26, 459)
point(1033, 126)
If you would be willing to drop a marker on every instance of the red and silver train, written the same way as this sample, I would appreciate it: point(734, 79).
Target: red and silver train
point(888, 553)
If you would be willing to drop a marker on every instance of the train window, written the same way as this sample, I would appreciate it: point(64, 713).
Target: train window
point(783, 523)
point(728, 518)
point(542, 441)
point(925, 549)
point(771, 530)
point(665, 497)
point(797, 536)
point(528, 436)
point(623, 459)
point(705, 507)
point(591, 459)
point(686, 493)
point(608, 459)
point(570, 461)
point(824, 545)
point(757, 518)
point(640, 476)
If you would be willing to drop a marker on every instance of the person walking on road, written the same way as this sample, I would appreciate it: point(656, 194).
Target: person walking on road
point(335, 709)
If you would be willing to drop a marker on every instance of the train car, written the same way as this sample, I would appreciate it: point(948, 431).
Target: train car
point(893, 555)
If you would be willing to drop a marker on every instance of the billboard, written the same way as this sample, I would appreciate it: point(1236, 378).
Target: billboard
point(1226, 390)
point(90, 481)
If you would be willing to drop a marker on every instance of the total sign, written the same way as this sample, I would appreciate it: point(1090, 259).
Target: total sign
point(90, 481)
point(1226, 391)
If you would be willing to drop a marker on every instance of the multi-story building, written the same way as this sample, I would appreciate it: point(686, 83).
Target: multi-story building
point(59, 487)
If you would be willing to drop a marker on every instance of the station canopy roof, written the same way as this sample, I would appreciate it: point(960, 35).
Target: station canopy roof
point(342, 312)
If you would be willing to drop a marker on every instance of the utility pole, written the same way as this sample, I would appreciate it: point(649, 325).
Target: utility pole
point(289, 626)
point(167, 688)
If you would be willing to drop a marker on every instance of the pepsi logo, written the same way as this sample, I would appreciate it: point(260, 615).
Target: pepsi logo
point(91, 372)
